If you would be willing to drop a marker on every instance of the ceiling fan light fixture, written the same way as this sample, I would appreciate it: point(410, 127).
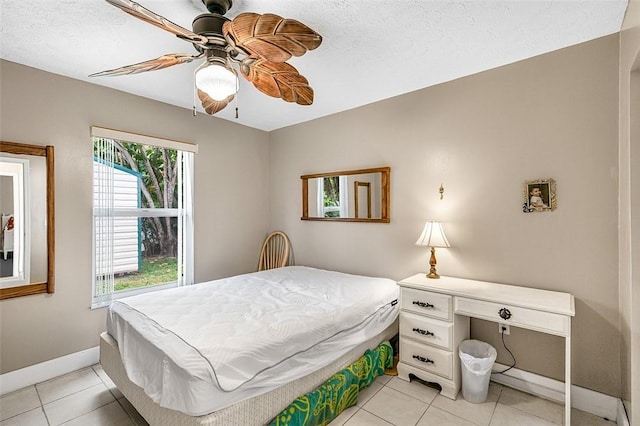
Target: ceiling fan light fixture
point(257, 44)
point(217, 79)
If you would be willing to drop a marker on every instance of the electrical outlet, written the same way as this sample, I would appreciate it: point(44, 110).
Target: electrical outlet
point(505, 327)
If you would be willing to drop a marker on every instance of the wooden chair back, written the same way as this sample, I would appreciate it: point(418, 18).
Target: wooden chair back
point(275, 251)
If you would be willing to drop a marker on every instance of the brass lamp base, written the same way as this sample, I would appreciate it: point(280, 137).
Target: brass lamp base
point(433, 274)
point(432, 271)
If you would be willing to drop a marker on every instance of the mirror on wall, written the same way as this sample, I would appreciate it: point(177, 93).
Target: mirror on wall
point(348, 196)
point(27, 214)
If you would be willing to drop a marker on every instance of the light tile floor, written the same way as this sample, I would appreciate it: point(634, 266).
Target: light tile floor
point(88, 397)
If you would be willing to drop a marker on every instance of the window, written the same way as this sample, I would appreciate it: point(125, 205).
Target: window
point(142, 214)
point(332, 196)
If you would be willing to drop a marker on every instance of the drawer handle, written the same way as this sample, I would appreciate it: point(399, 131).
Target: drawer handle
point(423, 332)
point(504, 313)
point(423, 359)
point(423, 304)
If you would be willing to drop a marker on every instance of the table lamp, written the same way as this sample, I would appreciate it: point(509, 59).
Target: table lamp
point(433, 236)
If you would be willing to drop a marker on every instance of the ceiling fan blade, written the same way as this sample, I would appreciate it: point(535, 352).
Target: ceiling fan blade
point(140, 12)
point(270, 36)
point(210, 105)
point(163, 61)
point(279, 80)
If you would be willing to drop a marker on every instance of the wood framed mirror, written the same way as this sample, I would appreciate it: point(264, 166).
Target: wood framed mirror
point(347, 196)
point(27, 208)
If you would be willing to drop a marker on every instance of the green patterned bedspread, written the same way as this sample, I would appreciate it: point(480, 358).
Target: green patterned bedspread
point(338, 393)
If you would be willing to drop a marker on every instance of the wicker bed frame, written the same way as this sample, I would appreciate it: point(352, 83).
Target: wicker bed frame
point(259, 410)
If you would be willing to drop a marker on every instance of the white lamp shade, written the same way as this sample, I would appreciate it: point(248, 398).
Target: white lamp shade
point(433, 236)
point(217, 81)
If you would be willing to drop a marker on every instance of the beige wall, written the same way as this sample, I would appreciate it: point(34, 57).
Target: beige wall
point(629, 210)
point(231, 191)
point(38, 225)
point(483, 136)
point(6, 194)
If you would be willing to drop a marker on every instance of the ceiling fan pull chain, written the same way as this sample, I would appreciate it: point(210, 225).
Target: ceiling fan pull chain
point(194, 97)
point(236, 99)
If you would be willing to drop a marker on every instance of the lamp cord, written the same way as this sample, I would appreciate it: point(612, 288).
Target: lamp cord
point(510, 353)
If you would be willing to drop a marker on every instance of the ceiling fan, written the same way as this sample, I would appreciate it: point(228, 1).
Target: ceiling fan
point(257, 45)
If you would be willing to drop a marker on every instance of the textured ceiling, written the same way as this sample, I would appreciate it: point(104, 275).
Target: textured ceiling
point(371, 49)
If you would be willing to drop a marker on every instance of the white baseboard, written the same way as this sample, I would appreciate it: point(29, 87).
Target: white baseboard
point(583, 399)
point(37, 373)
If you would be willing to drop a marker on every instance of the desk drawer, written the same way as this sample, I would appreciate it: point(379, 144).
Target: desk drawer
point(435, 305)
point(531, 319)
point(428, 358)
point(427, 330)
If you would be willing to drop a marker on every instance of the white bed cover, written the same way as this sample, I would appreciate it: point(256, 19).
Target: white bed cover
point(200, 348)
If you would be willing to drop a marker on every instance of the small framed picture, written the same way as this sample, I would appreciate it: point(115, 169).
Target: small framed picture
point(539, 196)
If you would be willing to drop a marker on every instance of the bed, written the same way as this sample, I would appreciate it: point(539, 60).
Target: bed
point(261, 340)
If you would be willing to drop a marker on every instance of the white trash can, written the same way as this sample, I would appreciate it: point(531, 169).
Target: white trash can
point(476, 358)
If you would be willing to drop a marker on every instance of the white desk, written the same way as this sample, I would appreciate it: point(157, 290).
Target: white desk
point(434, 319)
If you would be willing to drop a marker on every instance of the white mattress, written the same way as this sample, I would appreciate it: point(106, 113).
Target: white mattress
point(200, 348)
